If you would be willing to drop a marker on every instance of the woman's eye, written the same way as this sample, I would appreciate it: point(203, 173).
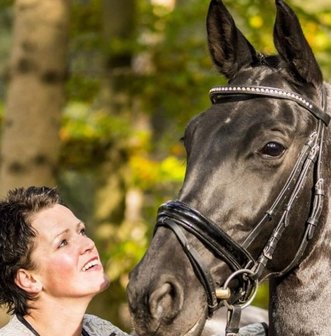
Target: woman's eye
point(64, 242)
point(83, 232)
point(273, 149)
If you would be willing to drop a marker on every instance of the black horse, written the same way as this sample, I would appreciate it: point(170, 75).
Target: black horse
point(254, 203)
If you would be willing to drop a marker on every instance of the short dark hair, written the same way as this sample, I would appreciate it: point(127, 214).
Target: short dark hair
point(17, 240)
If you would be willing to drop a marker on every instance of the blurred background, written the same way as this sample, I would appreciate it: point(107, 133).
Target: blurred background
point(97, 93)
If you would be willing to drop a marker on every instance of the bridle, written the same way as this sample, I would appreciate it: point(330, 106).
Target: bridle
point(180, 218)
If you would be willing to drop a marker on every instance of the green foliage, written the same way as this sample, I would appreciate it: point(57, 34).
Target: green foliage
point(5, 42)
point(262, 296)
point(124, 247)
point(1, 111)
point(182, 69)
point(89, 132)
point(85, 50)
point(5, 5)
point(147, 173)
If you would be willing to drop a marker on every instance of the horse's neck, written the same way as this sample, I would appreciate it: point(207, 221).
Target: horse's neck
point(300, 304)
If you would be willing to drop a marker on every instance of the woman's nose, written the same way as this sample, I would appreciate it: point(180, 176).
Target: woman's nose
point(87, 244)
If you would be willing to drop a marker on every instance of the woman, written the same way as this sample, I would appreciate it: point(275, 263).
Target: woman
point(49, 268)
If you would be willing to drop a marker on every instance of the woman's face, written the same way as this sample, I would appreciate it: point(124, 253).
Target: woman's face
point(66, 259)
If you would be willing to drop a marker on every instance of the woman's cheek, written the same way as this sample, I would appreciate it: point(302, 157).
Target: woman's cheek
point(63, 264)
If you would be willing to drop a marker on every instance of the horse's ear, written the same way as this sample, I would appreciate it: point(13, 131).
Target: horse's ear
point(293, 47)
point(229, 49)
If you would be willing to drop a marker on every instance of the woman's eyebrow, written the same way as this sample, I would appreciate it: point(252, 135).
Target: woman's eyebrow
point(61, 233)
point(78, 226)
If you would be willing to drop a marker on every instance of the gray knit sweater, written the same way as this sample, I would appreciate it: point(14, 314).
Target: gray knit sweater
point(93, 325)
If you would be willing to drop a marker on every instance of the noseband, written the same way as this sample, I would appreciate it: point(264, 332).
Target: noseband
point(180, 218)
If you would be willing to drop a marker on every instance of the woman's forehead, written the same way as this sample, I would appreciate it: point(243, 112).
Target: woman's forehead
point(52, 220)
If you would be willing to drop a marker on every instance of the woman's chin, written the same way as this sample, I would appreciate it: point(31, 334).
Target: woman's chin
point(101, 284)
point(105, 284)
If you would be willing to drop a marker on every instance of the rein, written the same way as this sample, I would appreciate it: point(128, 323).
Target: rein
point(180, 218)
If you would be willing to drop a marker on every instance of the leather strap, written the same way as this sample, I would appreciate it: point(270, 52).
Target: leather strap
point(207, 232)
point(198, 265)
point(217, 92)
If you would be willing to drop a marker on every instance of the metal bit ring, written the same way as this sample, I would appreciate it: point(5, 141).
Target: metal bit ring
point(251, 275)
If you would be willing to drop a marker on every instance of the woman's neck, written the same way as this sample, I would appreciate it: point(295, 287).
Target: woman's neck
point(57, 317)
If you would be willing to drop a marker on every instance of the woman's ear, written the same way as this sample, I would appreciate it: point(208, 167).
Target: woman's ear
point(28, 281)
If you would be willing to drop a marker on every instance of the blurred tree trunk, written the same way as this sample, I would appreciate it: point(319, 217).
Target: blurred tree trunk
point(118, 24)
point(111, 197)
point(35, 95)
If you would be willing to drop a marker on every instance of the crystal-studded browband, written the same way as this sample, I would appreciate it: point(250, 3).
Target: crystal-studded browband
point(217, 92)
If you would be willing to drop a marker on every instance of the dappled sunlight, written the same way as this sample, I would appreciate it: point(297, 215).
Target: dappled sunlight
point(169, 4)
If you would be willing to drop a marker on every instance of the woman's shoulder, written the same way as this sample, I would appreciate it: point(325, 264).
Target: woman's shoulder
point(254, 329)
point(96, 326)
point(15, 328)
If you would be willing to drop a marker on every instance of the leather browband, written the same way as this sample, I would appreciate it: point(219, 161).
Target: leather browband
point(217, 92)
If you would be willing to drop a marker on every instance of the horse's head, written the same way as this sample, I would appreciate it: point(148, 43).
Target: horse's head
point(249, 147)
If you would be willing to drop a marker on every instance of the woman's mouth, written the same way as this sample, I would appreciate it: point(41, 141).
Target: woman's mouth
point(91, 265)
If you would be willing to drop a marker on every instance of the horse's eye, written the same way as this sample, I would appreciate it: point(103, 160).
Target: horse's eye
point(273, 149)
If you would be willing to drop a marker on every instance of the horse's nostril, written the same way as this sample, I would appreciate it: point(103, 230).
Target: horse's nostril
point(166, 301)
